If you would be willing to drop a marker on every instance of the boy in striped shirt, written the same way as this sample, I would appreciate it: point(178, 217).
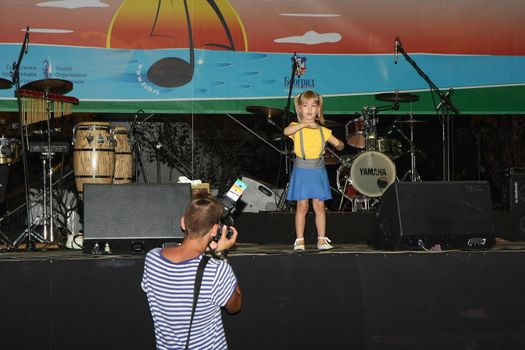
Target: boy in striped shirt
point(169, 277)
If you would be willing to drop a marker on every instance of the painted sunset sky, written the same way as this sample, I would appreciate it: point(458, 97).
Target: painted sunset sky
point(303, 26)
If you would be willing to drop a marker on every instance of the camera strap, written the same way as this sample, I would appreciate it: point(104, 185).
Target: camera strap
point(196, 290)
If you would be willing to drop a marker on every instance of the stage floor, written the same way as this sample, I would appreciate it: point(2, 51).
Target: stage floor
point(353, 296)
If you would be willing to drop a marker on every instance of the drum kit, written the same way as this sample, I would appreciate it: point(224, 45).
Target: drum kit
point(101, 154)
point(363, 178)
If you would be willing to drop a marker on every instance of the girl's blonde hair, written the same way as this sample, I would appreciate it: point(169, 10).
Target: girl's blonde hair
point(307, 95)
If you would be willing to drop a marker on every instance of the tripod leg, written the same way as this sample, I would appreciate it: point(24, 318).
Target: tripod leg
point(5, 239)
point(342, 201)
point(29, 236)
point(407, 174)
point(29, 233)
point(282, 200)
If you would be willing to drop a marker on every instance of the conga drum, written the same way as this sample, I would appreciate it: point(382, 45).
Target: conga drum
point(123, 157)
point(93, 154)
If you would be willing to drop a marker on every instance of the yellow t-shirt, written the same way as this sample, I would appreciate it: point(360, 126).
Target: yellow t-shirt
point(311, 141)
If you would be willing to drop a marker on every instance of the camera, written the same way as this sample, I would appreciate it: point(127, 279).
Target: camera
point(227, 221)
point(229, 201)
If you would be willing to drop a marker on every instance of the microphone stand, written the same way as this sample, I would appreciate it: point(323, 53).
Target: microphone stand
point(254, 133)
point(158, 145)
point(284, 141)
point(137, 149)
point(445, 106)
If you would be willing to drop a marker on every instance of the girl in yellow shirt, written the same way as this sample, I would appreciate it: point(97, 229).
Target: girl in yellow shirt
point(309, 179)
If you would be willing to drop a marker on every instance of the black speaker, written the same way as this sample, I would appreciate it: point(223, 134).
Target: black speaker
point(516, 195)
point(421, 215)
point(132, 218)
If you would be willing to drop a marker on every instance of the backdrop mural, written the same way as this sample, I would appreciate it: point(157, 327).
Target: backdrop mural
point(218, 56)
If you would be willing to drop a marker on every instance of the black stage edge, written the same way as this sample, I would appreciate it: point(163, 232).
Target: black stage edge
point(342, 227)
point(342, 299)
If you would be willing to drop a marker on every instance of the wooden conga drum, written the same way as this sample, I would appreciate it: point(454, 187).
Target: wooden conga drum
point(93, 154)
point(123, 157)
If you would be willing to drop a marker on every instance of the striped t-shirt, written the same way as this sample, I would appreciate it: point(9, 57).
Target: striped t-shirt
point(169, 288)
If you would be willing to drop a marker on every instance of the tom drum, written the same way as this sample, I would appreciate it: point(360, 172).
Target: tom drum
point(355, 133)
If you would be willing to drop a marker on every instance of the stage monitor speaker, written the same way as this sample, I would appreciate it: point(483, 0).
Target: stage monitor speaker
point(516, 194)
point(257, 197)
point(421, 215)
point(132, 218)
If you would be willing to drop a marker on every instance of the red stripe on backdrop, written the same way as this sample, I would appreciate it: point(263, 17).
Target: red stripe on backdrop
point(365, 26)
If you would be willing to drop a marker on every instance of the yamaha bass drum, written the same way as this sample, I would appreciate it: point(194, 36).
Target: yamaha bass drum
point(368, 174)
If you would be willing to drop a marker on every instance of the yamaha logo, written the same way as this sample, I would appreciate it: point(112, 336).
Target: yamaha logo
point(373, 171)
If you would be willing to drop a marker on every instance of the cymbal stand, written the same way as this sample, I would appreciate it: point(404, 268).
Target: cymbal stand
point(412, 172)
point(370, 116)
point(29, 234)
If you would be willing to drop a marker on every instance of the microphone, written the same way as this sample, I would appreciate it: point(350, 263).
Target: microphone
point(397, 43)
point(26, 40)
point(140, 111)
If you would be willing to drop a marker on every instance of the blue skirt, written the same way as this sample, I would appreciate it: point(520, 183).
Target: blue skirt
point(308, 184)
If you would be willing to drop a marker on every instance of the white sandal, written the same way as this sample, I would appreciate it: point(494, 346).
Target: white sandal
point(298, 244)
point(325, 245)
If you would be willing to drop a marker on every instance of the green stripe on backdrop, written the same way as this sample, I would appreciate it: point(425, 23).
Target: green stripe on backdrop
point(501, 100)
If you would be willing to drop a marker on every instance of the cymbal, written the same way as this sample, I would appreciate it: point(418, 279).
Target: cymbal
point(53, 86)
point(411, 121)
point(270, 112)
point(397, 97)
point(5, 84)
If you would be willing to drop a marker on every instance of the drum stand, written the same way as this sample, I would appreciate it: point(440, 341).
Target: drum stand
point(412, 173)
point(48, 217)
point(359, 203)
point(47, 197)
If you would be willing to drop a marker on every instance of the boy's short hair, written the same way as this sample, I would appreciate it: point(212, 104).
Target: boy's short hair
point(201, 214)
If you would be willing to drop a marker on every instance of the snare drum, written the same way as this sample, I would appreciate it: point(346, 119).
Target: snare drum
point(123, 157)
point(369, 174)
point(355, 133)
point(9, 150)
point(93, 154)
point(391, 147)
